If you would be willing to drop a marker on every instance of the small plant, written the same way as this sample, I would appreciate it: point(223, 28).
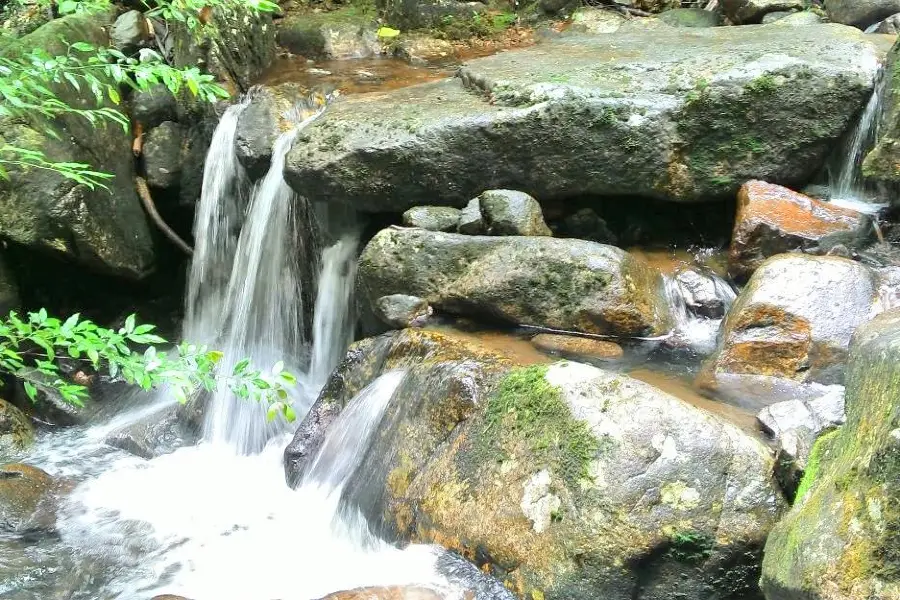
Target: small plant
point(691, 546)
point(764, 84)
point(31, 349)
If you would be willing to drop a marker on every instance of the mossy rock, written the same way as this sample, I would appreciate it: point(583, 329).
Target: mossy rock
point(882, 164)
point(842, 537)
point(16, 432)
point(344, 33)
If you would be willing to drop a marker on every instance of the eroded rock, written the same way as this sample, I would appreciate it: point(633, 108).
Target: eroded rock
point(561, 284)
point(773, 220)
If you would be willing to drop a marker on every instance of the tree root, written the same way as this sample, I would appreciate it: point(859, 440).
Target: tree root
point(150, 207)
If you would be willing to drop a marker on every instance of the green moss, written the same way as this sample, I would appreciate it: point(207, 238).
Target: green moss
point(814, 463)
point(691, 546)
point(764, 84)
point(478, 26)
point(527, 408)
point(886, 472)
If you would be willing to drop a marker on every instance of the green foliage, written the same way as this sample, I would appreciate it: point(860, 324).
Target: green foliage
point(190, 12)
point(690, 546)
point(31, 348)
point(531, 409)
point(764, 84)
point(70, 7)
point(479, 25)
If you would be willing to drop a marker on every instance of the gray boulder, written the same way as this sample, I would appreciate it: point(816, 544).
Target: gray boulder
point(514, 465)
point(704, 295)
point(541, 281)
point(799, 19)
point(433, 218)
point(401, 311)
point(162, 155)
point(771, 104)
point(129, 32)
point(890, 26)
point(508, 212)
point(151, 107)
point(103, 229)
point(861, 13)
point(794, 320)
point(753, 11)
point(470, 219)
point(339, 34)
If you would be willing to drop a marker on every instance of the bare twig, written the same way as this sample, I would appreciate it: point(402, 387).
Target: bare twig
point(150, 207)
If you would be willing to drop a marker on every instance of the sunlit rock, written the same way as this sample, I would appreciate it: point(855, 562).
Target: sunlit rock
point(508, 212)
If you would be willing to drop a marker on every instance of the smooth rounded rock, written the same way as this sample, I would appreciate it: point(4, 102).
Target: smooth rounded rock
point(890, 26)
point(578, 347)
point(129, 32)
point(25, 492)
point(153, 106)
point(800, 19)
point(400, 311)
point(433, 218)
point(508, 212)
point(772, 219)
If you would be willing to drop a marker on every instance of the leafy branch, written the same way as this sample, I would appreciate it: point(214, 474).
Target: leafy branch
point(31, 349)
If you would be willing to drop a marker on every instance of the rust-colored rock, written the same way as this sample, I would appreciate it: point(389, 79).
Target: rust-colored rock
point(577, 347)
point(386, 593)
point(772, 220)
point(26, 495)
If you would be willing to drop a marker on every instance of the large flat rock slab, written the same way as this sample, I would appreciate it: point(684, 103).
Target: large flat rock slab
point(679, 114)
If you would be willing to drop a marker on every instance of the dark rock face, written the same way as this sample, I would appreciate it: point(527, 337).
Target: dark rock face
point(586, 224)
point(794, 320)
point(438, 471)
point(637, 123)
point(861, 13)
point(150, 108)
point(337, 35)
point(162, 155)
point(841, 537)
point(890, 26)
point(102, 229)
point(773, 220)
point(129, 32)
point(541, 281)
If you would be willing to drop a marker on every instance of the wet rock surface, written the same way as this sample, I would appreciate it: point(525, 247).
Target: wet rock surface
point(25, 497)
point(162, 155)
point(16, 432)
point(578, 348)
point(773, 220)
point(540, 281)
point(703, 294)
point(643, 481)
point(400, 311)
point(794, 320)
point(842, 531)
point(636, 123)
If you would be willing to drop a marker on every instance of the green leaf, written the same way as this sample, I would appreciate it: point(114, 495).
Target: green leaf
point(289, 413)
point(130, 323)
point(240, 367)
point(387, 32)
point(30, 390)
point(82, 47)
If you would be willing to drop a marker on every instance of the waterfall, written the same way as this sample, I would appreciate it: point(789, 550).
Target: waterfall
point(692, 328)
point(847, 186)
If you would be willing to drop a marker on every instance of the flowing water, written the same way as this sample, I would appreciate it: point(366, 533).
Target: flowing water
point(216, 521)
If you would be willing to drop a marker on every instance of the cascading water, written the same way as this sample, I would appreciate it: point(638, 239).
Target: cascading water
point(216, 521)
point(692, 328)
point(847, 187)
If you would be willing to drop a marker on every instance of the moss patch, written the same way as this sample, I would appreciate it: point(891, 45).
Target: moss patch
point(691, 546)
point(813, 465)
point(526, 407)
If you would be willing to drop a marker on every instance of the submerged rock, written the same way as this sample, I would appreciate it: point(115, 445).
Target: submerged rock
point(102, 229)
point(578, 348)
point(508, 212)
point(841, 537)
point(541, 281)
point(794, 320)
point(861, 13)
point(26, 494)
point(515, 467)
point(400, 311)
point(773, 220)
point(16, 432)
point(753, 11)
point(433, 218)
point(771, 104)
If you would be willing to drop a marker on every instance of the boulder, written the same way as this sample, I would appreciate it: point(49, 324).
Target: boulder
point(25, 497)
point(773, 220)
point(103, 229)
point(470, 219)
point(407, 15)
point(771, 104)
point(400, 311)
point(339, 34)
point(586, 224)
point(420, 49)
point(16, 432)
point(590, 19)
point(798, 19)
point(890, 26)
point(841, 537)
point(152, 107)
point(565, 481)
point(541, 281)
point(794, 319)
point(160, 432)
point(578, 348)
point(129, 32)
point(433, 218)
point(860, 13)
point(704, 294)
point(508, 212)
point(752, 11)
point(882, 163)
point(162, 155)
point(691, 17)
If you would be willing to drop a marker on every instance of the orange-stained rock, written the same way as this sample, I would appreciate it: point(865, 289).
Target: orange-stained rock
point(386, 593)
point(26, 495)
point(577, 347)
point(772, 220)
